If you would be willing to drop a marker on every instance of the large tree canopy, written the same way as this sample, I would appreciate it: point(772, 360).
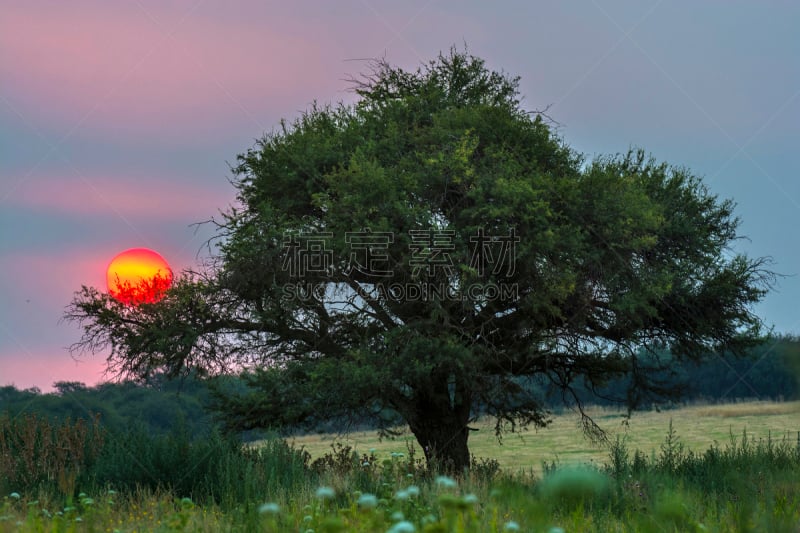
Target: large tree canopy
point(426, 251)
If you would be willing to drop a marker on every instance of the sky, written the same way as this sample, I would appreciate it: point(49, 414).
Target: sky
point(118, 120)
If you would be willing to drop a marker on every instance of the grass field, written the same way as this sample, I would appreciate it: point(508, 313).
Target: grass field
point(698, 427)
point(136, 482)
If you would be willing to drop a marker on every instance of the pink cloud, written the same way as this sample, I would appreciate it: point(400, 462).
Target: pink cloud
point(130, 197)
point(151, 71)
point(49, 278)
point(42, 369)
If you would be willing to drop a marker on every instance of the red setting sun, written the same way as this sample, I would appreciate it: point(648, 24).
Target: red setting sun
point(138, 275)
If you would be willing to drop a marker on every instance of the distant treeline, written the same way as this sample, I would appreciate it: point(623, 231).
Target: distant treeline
point(156, 407)
point(770, 372)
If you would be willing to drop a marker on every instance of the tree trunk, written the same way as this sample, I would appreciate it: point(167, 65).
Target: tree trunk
point(440, 426)
point(444, 442)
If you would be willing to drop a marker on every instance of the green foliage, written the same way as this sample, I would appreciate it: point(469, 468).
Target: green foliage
point(213, 469)
point(590, 262)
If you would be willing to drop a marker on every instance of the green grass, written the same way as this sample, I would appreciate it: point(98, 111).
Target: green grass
point(746, 482)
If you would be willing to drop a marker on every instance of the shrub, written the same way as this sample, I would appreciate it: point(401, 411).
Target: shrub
point(214, 469)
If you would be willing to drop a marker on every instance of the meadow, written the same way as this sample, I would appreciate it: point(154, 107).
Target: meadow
point(700, 468)
point(699, 426)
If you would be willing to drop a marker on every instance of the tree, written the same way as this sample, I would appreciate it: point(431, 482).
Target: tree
point(424, 251)
point(65, 388)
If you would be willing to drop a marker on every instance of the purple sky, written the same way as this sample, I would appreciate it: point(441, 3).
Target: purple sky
point(117, 123)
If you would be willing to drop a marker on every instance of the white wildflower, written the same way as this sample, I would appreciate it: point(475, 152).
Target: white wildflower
point(269, 508)
point(368, 501)
point(445, 482)
point(325, 493)
point(403, 527)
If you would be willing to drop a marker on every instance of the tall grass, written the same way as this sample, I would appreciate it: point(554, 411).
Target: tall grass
point(718, 468)
point(35, 451)
point(172, 483)
point(750, 485)
point(36, 454)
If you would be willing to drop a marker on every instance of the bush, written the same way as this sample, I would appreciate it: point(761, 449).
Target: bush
point(215, 469)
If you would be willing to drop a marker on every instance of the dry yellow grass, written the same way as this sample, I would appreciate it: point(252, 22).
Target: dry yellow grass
point(697, 427)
